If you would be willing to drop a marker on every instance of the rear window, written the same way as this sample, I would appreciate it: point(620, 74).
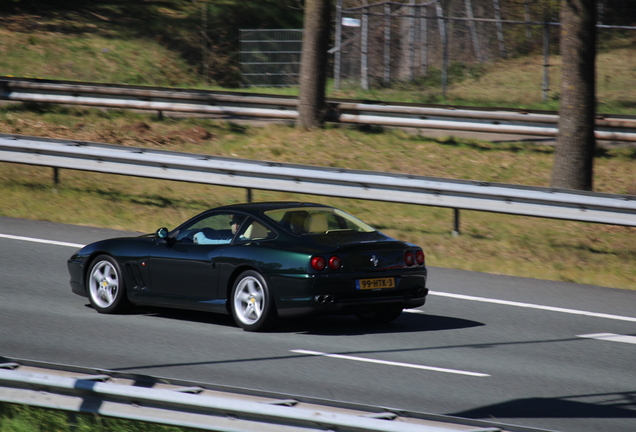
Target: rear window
point(316, 221)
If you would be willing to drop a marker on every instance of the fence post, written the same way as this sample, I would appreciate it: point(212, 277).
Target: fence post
point(204, 41)
point(364, 61)
point(444, 36)
point(424, 38)
point(500, 37)
point(473, 29)
point(387, 44)
point(338, 37)
point(526, 12)
point(411, 57)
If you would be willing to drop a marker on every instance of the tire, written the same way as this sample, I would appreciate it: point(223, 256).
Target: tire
point(105, 286)
point(380, 316)
point(251, 302)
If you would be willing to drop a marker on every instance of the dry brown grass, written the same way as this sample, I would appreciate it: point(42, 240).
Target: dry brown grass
point(519, 81)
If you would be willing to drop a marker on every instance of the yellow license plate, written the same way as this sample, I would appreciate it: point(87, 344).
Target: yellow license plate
point(377, 283)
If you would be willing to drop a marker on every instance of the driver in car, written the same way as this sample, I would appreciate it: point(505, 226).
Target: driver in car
point(235, 223)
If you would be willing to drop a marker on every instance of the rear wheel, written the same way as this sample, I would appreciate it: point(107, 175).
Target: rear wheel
point(252, 303)
point(380, 316)
point(106, 288)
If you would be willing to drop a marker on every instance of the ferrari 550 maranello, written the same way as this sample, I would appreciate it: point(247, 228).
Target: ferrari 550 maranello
point(258, 262)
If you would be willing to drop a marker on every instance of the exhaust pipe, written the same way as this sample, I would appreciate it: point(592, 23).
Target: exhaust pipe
point(324, 299)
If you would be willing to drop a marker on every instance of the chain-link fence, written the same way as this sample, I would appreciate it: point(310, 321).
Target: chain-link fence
point(389, 42)
point(270, 58)
point(429, 42)
point(435, 43)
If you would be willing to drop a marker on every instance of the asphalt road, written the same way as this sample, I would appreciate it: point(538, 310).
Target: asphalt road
point(549, 355)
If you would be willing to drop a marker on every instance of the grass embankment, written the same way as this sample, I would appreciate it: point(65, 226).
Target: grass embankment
point(519, 246)
point(20, 418)
point(158, 44)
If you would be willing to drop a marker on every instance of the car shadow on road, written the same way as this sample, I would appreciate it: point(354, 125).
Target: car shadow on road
point(321, 325)
point(600, 405)
point(348, 325)
point(182, 315)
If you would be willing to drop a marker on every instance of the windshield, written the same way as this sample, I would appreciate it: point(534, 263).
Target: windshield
point(316, 221)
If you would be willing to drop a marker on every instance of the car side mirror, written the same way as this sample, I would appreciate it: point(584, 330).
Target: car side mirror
point(162, 233)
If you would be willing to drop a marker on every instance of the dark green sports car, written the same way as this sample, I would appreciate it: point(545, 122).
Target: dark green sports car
point(258, 262)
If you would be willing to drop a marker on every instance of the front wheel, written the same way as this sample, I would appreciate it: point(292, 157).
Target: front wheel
point(106, 289)
point(252, 303)
point(380, 316)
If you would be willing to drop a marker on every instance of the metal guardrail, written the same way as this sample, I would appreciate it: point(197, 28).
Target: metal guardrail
point(368, 185)
point(157, 400)
point(499, 121)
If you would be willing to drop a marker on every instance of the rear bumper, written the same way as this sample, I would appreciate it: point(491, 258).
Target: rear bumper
point(351, 308)
point(298, 296)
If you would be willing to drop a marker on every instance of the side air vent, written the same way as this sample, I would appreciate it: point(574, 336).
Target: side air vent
point(135, 275)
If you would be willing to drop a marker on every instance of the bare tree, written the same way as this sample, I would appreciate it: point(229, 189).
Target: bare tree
point(313, 64)
point(574, 158)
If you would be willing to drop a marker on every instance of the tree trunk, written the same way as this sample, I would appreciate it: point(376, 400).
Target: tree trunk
point(313, 64)
point(574, 158)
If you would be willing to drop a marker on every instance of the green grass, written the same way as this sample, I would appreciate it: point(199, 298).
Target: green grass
point(104, 59)
point(21, 418)
point(145, 43)
point(495, 243)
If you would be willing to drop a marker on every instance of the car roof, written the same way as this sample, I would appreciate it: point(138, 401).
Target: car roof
point(259, 207)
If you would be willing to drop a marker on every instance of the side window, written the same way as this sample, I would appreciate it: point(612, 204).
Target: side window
point(218, 228)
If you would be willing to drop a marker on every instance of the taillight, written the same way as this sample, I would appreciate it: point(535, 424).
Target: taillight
point(419, 257)
point(409, 258)
point(318, 263)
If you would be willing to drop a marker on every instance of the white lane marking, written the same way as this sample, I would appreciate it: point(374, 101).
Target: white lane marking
point(37, 240)
point(391, 363)
point(610, 337)
point(530, 306)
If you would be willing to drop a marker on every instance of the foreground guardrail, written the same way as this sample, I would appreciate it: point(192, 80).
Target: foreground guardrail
point(153, 400)
point(369, 185)
point(608, 128)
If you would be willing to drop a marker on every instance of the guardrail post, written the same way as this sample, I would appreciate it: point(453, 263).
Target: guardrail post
point(72, 421)
point(456, 231)
point(56, 176)
point(249, 195)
